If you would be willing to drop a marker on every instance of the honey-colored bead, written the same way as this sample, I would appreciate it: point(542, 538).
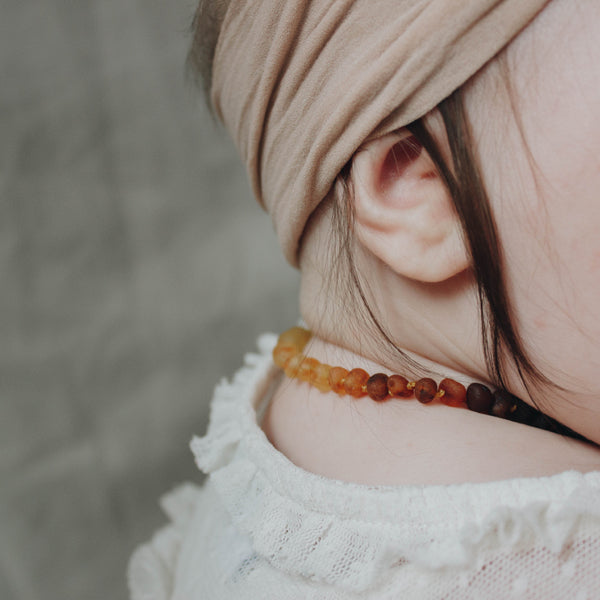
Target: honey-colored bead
point(306, 367)
point(282, 353)
point(292, 365)
point(425, 390)
point(320, 377)
point(355, 383)
point(377, 387)
point(397, 386)
point(296, 336)
point(455, 393)
point(337, 376)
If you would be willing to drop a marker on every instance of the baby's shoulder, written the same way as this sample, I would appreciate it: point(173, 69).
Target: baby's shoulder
point(404, 442)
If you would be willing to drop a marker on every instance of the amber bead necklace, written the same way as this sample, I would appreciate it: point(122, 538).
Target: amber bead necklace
point(288, 355)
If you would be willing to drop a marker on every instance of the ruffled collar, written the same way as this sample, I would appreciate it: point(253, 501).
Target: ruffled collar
point(290, 513)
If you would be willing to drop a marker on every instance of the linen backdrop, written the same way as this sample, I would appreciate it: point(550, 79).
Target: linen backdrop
point(135, 271)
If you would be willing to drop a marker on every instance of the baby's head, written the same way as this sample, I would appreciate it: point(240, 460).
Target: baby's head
point(466, 211)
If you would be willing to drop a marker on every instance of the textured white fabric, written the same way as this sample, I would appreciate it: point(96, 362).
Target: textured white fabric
point(260, 527)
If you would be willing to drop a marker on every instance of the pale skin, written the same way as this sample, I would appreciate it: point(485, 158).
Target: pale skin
point(542, 174)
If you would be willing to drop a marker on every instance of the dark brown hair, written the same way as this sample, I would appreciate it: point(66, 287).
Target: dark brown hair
point(463, 180)
point(205, 29)
point(500, 338)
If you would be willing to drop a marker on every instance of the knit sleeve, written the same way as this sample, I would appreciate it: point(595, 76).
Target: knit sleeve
point(261, 527)
point(152, 567)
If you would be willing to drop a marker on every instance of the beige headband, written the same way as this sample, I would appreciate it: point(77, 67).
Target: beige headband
point(302, 84)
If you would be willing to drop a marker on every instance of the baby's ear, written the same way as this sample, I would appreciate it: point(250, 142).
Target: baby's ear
point(404, 212)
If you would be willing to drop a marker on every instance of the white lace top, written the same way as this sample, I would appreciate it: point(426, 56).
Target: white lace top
point(262, 528)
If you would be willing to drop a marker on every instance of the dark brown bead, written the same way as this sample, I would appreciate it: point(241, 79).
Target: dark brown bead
point(425, 390)
point(523, 413)
point(455, 394)
point(479, 398)
point(504, 404)
point(542, 421)
point(355, 382)
point(377, 387)
point(397, 386)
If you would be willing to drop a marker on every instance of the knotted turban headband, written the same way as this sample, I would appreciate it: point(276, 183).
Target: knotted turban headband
point(301, 84)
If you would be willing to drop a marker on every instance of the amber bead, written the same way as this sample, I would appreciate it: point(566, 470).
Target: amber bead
point(504, 404)
point(455, 394)
point(377, 387)
point(479, 398)
point(523, 413)
point(397, 386)
point(320, 377)
point(282, 353)
point(425, 390)
point(306, 368)
point(337, 376)
point(292, 365)
point(542, 421)
point(296, 336)
point(355, 382)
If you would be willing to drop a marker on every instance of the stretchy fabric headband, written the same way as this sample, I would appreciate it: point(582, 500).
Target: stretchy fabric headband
point(302, 84)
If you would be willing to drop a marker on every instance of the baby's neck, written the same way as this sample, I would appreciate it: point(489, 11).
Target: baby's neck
point(411, 365)
point(404, 442)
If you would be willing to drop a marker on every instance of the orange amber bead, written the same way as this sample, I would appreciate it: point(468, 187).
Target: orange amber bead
point(320, 377)
point(377, 387)
point(282, 353)
point(397, 386)
point(337, 376)
point(455, 394)
point(355, 382)
point(292, 365)
point(306, 368)
point(425, 390)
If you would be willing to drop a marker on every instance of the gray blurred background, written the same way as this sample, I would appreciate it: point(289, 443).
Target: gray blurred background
point(135, 271)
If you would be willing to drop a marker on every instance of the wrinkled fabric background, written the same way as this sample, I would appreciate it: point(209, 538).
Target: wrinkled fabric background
point(135, 271)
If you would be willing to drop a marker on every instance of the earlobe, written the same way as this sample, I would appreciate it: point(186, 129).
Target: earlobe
point(404, 212)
